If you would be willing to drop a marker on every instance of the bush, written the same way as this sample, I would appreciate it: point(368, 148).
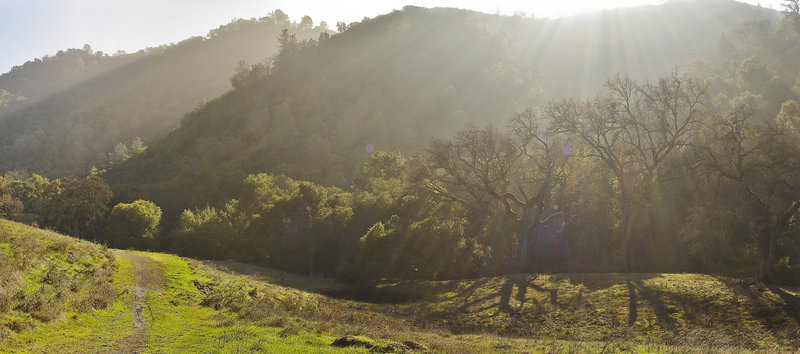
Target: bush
point(134, 225)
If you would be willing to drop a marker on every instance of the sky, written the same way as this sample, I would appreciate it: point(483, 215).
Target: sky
point(35, 28)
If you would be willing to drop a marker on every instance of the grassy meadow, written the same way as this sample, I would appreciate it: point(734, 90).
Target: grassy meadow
point(66, 295)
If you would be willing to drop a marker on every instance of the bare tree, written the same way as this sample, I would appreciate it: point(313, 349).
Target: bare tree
point(791, 8)
point(513, 174)
point(762, 162)
point(632, 128)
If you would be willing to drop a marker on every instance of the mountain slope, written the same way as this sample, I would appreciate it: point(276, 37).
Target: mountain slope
point(79, 104)
point(398, 80)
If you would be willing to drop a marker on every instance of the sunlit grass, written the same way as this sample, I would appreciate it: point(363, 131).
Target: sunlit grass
point(99, 330)
point(200, 307)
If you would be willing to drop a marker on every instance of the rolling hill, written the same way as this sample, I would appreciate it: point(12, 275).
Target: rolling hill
point(79, 104)
point(160, 302)
point(398, 80)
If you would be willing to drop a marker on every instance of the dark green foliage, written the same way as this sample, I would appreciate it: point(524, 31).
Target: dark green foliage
point(10, 206)
point(78, 207)
point(207, 233)
point(80, 105)
point(693, 170)
point(395, 82)
point(134, 225)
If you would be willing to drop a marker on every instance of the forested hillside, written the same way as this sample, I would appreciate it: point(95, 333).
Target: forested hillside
point(396, 81)
point(434, 179)
point(79, 105)
point(499, 165)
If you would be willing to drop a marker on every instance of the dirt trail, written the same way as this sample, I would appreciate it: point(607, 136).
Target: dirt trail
point(148, 276)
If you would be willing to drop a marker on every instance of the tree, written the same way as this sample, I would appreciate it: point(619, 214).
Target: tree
point(134, 225)
point(279, 17)
point(79, 208)
point(762, 163)
point(7, 98)
point(306, 23)
point(509, 177)
point(791, 8)
point(240, 75)
point(10, 206)
point(137, 146)
point(287, 46)
point(119, 154)
point(632, 129)
point(31, 190)
point(203, 233)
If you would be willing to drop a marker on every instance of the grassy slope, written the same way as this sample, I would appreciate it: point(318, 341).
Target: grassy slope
point(670, 309)
point(45, 277)
point(594, 312)
point(228, 307)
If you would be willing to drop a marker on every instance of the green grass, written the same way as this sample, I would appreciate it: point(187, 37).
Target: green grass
point(194, 306)
point(45, 277)
point(178, 322)
point(665, 309)
point(97, 330)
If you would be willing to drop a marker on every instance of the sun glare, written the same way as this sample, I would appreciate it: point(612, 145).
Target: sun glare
point(572, 7)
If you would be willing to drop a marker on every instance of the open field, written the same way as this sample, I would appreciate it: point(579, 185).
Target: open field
point(164, 303)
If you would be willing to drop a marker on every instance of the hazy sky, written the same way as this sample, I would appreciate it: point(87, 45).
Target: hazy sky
point(34, 28)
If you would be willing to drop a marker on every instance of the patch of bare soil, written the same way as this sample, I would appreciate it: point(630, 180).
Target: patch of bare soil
point(148, 276)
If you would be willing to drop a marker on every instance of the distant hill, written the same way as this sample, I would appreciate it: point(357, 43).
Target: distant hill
point(79, 103)
point(396, 81)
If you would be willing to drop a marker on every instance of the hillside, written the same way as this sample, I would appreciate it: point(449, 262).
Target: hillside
point(396, 81)
point(162, 303)
point(46, 277)
point(79, 104)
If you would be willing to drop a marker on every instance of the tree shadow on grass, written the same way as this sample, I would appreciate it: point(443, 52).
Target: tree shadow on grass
point(791, 303)
point(758, 305)
point(522, 283)
point(633, 311)
point(638, 291)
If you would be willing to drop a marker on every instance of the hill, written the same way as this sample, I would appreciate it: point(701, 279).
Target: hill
point(161, 302)
point(396, 81)
point(46, 277)
point(79, 104)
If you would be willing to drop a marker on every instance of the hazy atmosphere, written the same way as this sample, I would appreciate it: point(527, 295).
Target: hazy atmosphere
point(393, 177)
point(42, 27)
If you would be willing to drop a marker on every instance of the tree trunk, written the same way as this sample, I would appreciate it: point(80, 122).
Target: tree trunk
point(625, 232)
point(766, 253)
point(524, 246)
point(526, 224)
point(763, 258)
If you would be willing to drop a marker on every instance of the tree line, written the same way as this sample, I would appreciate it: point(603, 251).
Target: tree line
point(643, 177)
point(695, 171)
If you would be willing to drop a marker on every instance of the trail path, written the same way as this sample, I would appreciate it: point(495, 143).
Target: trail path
point(148, 276)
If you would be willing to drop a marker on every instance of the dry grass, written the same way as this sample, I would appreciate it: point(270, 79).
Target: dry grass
point(661, 309)
point(561, 313)
point(44, 275)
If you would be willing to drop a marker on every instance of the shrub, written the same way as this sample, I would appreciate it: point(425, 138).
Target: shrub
point(134, 225)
